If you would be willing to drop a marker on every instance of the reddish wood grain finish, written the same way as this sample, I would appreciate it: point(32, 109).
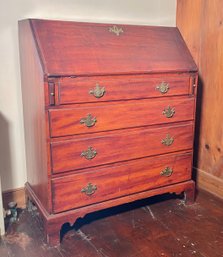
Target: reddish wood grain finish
point(70, 59)
point(111, 116)
point(53, 223)
point(32, 78)
point(76, 90)
point(118, 180)
point(119, 146)
point(69, 48)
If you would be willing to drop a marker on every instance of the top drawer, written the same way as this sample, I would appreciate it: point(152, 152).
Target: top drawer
point(105, 88)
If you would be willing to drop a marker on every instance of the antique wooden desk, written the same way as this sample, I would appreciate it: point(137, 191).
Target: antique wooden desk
point(108, 113)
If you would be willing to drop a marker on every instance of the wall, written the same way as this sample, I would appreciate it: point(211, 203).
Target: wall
point(201, 24)
point(12, 152)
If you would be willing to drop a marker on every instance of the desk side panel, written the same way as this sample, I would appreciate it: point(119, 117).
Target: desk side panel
point(35, 122)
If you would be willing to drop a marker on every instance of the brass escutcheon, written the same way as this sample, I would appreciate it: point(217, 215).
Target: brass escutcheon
point(168, 140)
point(89, 121)
point(89, 154)
point(163, 87)
point(167, 172)
point(98, 91)
point(117, 31)
point(89, 189)
point(169, 112)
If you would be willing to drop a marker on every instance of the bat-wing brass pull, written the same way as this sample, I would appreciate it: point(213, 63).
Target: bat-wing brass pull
point(168, 140)
point(98, 91)
point(163, 87)
point(89, 154)
point(89, 189)
point(167, 172)
point(169, 112)
point(89, 121)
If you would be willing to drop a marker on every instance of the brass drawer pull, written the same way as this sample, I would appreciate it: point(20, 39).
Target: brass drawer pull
point(89, 154)
point(89, 189)
point(117, 31)
point(167, 172)
point(163, 87)
point(169, 112)
point(98, 91)
point(89, 121)
point(168, 140)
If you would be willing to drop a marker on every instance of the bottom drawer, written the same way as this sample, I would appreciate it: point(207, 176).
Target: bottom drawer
point(105, 183)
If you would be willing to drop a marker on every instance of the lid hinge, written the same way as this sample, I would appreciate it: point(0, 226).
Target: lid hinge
point(51, 92)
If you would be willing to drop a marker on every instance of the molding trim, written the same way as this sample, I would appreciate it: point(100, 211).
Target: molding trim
point(209, 183)
point(15, 195)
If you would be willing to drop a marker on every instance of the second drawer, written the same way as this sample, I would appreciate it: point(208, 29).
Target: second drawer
point(110, 116)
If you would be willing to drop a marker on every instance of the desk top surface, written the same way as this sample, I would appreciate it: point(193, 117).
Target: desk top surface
point(84, 49)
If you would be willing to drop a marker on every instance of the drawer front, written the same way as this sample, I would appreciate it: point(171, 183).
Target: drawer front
point(97, 89)
point(118, 146)
point(105, 116)
point(104, 183)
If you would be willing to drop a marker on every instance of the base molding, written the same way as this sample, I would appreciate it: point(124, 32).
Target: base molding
point(53, 222)
point(205, 181)
point(209, 183)
point(15, 195)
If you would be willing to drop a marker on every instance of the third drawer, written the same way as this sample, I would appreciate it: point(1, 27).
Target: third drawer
point(107, 147)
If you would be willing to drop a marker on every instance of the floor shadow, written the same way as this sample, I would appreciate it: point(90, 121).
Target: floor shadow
point(98, 215)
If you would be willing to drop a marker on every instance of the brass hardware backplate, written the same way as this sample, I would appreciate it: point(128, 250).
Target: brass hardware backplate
point(89, 121)
point(98, 91)
point(168, 140)
point(117, 31)
point(89, 189)
point(169, 112)
point(166, 172)
point(89, 154)
point(163, 87)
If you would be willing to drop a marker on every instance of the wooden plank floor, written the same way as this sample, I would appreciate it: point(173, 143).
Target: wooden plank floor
point(159, 226)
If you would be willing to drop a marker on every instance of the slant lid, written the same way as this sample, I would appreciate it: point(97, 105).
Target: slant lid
point(78, 48)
